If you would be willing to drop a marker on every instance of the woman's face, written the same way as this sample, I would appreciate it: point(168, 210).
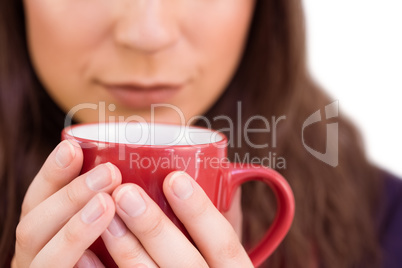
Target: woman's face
point(122, 56)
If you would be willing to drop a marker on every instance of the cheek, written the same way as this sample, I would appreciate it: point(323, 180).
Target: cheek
point(66, 23)
point(217, 34)
point(67, 36)
point(61, 36)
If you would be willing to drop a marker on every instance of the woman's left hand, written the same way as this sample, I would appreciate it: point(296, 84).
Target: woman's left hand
point(143, 234)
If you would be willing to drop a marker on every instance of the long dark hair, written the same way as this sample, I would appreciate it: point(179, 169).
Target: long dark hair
point(335, 206)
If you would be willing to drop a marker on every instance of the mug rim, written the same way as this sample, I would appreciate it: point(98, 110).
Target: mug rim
point(222, 143)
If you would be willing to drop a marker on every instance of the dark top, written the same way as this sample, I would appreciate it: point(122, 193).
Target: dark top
point(390, 222)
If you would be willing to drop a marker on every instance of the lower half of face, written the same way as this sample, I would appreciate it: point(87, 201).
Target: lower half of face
point(166, 61)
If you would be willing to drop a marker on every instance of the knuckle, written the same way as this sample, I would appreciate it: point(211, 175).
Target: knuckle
point(155, 228)
point(45, 173)
point(23, 235)
point(198, 264)
point(201, 209)
point(72, 196)
point(139, 265)
point(194, 262)
point(131, 253)
point(25, 207)
point(70, 234)
point(231, 249)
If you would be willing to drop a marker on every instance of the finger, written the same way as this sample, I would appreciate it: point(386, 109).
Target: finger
point(44, 221)
point(163, 241)
point(211, 232)
point(235, 215)
point(124, 247)
point(70, 243)
point(89, 259)
point(61, 166)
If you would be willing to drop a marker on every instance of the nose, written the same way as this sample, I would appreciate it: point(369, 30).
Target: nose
point(147, 26)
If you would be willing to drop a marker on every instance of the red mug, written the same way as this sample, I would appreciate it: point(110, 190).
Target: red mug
point(146, 153)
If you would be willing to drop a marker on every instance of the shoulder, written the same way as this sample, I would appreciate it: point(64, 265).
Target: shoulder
point(390, 221)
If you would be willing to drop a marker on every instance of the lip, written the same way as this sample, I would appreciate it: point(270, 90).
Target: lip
point(142, 95)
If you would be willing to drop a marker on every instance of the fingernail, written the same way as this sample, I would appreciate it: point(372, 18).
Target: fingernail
point(131, 201)
point(65, 154)
point(181, 185)
point(101, 177)
point(94, 209)
point(117, 227)
point(85, 262)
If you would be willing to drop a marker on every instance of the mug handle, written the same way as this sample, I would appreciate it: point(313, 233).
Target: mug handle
point(235, 176)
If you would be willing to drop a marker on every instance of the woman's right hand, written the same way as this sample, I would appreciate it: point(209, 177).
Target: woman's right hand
point(64, 213)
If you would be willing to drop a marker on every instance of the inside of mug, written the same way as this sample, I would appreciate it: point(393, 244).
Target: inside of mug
point(145, 134)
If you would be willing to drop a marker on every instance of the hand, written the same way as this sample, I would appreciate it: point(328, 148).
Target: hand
point(142, 234)
point(63, 213)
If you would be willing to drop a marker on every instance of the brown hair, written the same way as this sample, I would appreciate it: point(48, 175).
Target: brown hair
point(335, 206)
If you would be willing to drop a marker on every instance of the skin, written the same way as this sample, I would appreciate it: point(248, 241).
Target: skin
point(59, 205)
point(73, 46)
point(77, 45)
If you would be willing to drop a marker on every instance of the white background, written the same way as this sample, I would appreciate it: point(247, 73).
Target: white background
point(355, 53)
